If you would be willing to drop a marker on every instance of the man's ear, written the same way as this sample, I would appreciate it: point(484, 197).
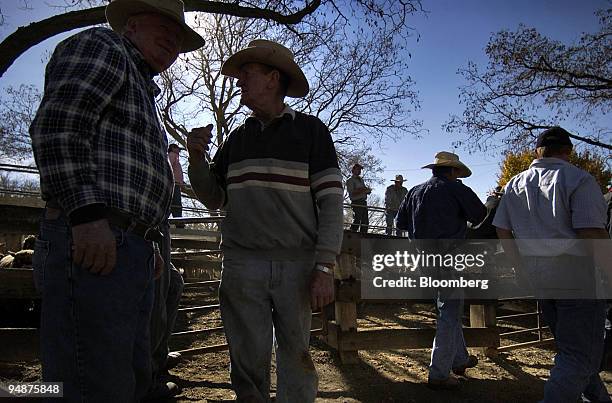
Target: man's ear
point(130, 25)
point(274, 79)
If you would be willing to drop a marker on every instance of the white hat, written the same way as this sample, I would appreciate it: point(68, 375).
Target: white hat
point(119, 11)
point(446, 159)
point(272, 54)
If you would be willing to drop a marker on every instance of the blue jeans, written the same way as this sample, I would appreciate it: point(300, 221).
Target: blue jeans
point(360, 216)
point(256, 295)
point(578, 326)
point(94, 329)
point(449, 349)
point(390, 220)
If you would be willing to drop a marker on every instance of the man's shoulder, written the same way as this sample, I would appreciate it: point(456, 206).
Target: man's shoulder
point(313, 123)
point(100, 34)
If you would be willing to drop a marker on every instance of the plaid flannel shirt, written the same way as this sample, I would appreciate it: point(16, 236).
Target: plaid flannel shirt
point(96, 138)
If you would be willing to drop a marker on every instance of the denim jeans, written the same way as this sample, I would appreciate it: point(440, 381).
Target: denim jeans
point(94, 329)
point(390, 220)
point(256, 295)
point(449, 349)
point(578, 328)
point(578, 325)
point(176, 207)
point(361, 220)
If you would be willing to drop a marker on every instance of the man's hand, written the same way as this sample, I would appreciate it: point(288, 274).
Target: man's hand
point(321, 289)
point(94, 247)
point(159, 265)
point(198, 141)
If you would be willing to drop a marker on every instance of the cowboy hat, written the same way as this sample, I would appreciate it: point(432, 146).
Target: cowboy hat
point(398, 178)
point(272, 54)
point(446, 159)
point(119, 11)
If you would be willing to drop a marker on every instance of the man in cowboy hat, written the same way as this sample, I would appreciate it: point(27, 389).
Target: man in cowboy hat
point(393, 198)
point(108, 185)
point(277, 177)
point(439, 209)
point(358, 194)
point(552, 205)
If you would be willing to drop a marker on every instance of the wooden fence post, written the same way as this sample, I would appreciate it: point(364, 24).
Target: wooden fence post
point(346, 312)
point(484, 316)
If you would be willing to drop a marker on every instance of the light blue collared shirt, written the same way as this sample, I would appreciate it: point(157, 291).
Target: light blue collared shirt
point(544, 205)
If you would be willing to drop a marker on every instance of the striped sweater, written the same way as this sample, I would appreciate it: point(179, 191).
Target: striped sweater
point(280, 186)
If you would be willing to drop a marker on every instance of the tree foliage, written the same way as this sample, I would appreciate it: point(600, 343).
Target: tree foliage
point(533, 82)
point(594, 163)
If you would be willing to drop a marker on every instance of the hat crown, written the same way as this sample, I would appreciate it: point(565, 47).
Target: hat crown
point(554, 136)
point(446, 156)
point(175, 8)
point(273, 46)
point(399, 178)
point(119, 11)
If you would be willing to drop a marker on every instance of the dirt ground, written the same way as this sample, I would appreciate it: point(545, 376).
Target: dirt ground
point(379, 377)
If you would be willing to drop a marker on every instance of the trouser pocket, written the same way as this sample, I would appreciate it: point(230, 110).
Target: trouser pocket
point(39, 261)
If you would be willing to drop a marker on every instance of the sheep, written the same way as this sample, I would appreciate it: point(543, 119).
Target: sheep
point(20, 259)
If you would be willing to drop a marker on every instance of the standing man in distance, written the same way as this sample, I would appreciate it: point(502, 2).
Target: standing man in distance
point(552, 205)
point(394, 195)
point(439, 209)
point(277, 178)
point(358, 194)
point(105, 177)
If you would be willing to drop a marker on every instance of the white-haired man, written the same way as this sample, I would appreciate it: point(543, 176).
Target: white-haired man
point(277, 177)
point(101, 153)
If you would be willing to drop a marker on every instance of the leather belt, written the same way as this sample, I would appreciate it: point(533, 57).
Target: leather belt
point(123, 221)
point(128, 223)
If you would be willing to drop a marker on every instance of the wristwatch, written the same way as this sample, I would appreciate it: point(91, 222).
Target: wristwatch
point(324, 269)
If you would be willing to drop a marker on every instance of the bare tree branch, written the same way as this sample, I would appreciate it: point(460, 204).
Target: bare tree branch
point(25, 37)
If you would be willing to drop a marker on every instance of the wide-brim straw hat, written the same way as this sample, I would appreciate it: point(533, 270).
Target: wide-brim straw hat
point(119, 11)
point(272, 54)
point(447, 159)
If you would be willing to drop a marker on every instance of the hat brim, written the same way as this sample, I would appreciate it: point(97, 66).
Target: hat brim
point(464, 170)
point(118, 12)
point(298, 84)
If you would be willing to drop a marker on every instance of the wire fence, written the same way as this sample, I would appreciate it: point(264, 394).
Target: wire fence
point(193, 208)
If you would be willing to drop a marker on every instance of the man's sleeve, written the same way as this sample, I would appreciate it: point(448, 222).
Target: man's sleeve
point(350, 187)
point(474, 210)
point(326, 186)
point(587, 205)
point(83, 75)
point(502, 214)
point(208, 180)
point(387, 196)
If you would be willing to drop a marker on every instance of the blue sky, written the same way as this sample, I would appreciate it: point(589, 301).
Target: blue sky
point(452, 33)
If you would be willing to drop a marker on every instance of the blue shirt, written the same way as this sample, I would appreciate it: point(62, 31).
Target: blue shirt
point(544, 205)
point(439, 209)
